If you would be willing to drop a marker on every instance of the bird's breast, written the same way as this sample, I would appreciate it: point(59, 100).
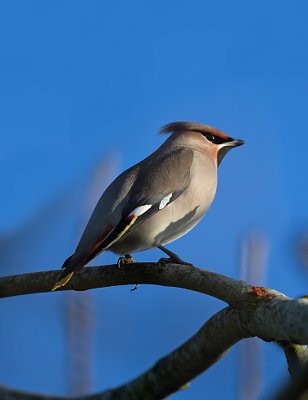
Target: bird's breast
point(185, 212)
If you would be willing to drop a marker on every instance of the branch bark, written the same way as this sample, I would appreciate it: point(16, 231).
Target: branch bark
point(268, 314)
point(296, 356)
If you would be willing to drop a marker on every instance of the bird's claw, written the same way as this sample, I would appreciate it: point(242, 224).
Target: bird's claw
point(163, 262)
point(185, 263)
point(127, 259)
point(173, 258)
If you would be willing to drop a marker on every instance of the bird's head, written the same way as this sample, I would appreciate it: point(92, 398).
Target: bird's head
point(211, 140)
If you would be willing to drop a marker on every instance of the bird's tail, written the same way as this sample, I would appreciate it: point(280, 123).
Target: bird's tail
point(69, 269)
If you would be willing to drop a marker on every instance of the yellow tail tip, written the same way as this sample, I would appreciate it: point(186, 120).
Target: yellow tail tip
point(62, 282)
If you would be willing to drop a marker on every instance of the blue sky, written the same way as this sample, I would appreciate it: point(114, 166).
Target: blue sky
point(87, 84)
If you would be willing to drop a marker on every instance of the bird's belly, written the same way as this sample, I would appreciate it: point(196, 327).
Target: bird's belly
point(182, 215)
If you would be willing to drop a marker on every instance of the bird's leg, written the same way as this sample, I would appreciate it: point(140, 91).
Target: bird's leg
point(173, 257)
point(127, 259)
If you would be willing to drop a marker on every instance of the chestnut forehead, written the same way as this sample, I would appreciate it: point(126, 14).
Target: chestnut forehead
point(216, 132)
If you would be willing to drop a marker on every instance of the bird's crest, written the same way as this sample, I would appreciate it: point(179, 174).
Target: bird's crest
point(191, 126)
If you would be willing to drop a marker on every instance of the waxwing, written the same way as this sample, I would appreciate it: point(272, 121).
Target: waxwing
point(157, 200)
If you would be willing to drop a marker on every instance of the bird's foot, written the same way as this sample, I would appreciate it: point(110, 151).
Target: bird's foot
point(185, 263)
point(127, 259)
point(173, 258)
point(163, 262)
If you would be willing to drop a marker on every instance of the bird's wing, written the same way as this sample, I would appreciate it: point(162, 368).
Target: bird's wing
point(161, 180)
point(136, 217)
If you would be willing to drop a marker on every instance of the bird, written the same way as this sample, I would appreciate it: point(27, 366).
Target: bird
point(157, 200)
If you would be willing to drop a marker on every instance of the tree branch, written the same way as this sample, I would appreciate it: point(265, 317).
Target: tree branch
point(297, 388)
point(296, 356)
point(267, 313)
point(170, 373)
point(12, 394)
point(256, 311)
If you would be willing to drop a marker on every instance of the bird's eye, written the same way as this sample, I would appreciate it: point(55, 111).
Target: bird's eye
point(216, 139)
point(211, 138)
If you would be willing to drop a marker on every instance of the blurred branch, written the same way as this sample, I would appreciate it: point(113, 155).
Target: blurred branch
point(297, 388)
point(296, 355)
point(79, 324)
point(302, 249)
point(172, 372)
point(12, 394)
point(267, 313)
point(253, 264)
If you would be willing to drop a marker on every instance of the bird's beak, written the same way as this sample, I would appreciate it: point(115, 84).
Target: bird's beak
point(236, 143)
point(227, 146)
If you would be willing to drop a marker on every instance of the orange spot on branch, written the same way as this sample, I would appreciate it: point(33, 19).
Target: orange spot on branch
point(259, 291)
